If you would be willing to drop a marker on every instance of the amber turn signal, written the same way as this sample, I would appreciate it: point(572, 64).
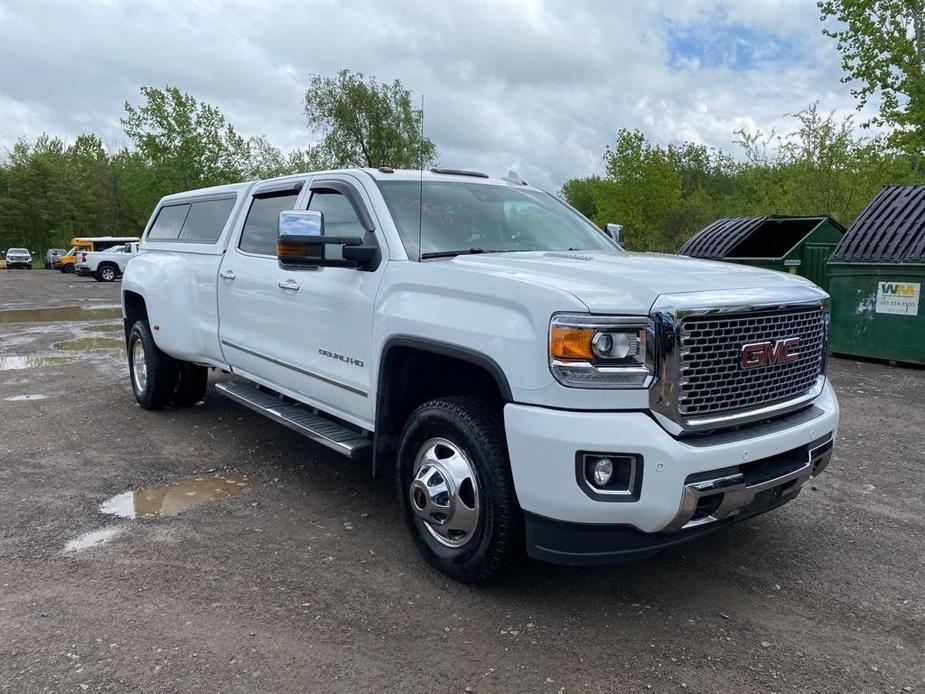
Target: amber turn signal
point(570, 343)
point(291, 249)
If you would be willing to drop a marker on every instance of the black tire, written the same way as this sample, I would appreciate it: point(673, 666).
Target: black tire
point(106, 273)
point(191, 387)
point(161, 371)
point(472, 426)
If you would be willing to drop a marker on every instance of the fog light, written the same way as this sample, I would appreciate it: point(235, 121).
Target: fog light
point(602, 472)
point(614, 476)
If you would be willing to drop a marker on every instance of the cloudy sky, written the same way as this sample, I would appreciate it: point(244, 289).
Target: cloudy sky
point(538, 86)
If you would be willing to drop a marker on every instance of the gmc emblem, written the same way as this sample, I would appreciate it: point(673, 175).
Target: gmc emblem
point(755, 354)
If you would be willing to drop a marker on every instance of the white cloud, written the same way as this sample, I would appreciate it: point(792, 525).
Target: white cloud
point(538, 86)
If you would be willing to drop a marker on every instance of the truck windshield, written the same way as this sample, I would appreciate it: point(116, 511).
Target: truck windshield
point(454, 218)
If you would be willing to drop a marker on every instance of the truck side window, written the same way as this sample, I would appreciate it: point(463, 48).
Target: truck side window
point(339, 218)
point(168, 223)
point(261, 226)
point(206, 220)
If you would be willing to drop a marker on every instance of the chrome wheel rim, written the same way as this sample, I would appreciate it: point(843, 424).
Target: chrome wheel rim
point(108, 274)
point(444, 492)
point(139, 368)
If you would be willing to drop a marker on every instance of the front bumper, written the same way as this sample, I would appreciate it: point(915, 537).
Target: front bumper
point(688, 487)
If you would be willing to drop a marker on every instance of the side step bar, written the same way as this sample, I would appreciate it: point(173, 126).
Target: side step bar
point(335, 436)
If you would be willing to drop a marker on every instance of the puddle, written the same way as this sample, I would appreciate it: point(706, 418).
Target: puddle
point(88, 343)
point(176, 497)
point(60, 313)
point(13, 363)
point(21, 398)
point(107, 328)
point(93, 538)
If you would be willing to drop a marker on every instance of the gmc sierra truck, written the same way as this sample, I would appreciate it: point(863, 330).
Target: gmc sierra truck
point(527, 384)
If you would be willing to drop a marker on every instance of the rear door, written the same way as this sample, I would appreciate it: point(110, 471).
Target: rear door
point(248, 295)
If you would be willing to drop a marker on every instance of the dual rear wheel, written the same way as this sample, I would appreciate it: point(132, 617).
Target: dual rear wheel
point(159, 380)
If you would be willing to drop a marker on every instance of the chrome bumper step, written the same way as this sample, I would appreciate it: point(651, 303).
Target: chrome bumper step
point(300, 419)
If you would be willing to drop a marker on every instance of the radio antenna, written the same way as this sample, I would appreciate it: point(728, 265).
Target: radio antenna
point(421, 179)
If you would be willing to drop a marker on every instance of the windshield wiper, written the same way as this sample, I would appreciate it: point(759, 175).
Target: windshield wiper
point(449, 254)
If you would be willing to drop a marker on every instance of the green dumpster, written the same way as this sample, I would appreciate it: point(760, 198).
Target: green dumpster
point(799, 245)
point(876, 275)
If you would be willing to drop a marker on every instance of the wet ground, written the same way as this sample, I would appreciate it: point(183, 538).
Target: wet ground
point(210, 550)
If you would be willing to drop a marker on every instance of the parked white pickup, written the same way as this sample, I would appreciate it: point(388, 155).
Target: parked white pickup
point(527, 382)
point(106, 265)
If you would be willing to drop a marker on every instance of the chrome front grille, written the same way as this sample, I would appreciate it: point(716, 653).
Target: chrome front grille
point(711, 378)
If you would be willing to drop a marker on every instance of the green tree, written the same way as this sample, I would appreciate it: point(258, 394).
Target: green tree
point(882, 44)
point(639, 191)
point(579, 193)
point(366, 124)
point(186, 143)
point(36, 209)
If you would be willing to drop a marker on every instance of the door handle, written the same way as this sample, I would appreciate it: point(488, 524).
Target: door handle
point(289, 284)
point(227, 274)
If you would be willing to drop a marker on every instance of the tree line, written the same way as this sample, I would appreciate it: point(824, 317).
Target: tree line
point(663, 195)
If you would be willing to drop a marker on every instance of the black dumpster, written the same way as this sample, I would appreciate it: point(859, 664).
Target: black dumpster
point(799, 245)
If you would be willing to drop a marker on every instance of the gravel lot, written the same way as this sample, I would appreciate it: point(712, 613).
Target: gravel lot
point(305, 579)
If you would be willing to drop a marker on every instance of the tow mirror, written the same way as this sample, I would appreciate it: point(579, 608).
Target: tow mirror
point(615, 232)
point(301, 241)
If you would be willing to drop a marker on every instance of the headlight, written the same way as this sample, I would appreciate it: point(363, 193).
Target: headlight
point(601, 351)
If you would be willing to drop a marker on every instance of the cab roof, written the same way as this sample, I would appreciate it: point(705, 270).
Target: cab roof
point(383, 173)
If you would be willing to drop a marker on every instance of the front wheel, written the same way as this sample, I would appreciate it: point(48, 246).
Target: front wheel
point(153, 373)
point(456, 489)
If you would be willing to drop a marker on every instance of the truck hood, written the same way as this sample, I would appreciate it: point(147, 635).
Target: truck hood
point(624, 282)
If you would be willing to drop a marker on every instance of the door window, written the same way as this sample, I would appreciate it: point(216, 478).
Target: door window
point(262, 223)
point(339, 219)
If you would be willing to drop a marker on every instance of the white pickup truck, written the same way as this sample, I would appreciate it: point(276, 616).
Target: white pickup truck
point(527, 383)
point(105, 265)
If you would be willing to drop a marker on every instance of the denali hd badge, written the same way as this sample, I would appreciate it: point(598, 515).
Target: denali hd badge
point(755, 354)
point(340, 357)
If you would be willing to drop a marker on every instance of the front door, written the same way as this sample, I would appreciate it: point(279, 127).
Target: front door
point(329, 310)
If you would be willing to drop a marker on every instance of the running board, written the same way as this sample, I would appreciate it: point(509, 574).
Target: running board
point(335, 436)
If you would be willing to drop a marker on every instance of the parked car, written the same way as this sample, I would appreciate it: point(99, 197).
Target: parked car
point(106, 265)
point(51, 255)
point(525, 382)
point(18, 257)
point(67, 262)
